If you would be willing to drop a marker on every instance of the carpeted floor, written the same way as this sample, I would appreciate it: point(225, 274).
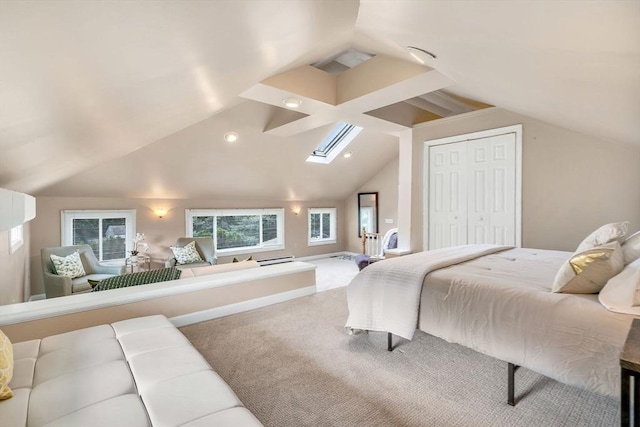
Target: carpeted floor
point(293, 364)
point(334, 272)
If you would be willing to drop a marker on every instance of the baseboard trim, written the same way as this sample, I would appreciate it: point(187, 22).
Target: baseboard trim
point(214, 313)
point(321, 256)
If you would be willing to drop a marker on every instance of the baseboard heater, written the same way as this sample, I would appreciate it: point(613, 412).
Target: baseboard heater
point(279, 260)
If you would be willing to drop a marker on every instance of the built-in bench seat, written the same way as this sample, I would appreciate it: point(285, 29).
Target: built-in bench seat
point(184, 301)
point(136, 372)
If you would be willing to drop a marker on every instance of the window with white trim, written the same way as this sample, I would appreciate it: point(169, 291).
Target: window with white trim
point(110, 233)
point(238, 231)
point(16, 238)
point(333, 144)
point(322, 226)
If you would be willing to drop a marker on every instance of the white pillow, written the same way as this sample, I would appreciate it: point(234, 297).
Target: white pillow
point(187, 254)
point(587, 272)
point(631, 248)
point(70, 265)
point(622, 292)
point(615, 231)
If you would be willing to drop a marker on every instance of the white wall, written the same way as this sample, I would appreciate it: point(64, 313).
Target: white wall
point(571, 183)
point(14, 268)
point(385, 183)
point(163, 232)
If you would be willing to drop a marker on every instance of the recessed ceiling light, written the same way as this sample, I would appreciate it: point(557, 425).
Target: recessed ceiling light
point(292, 102)
point(231, 136)
point(347, 154)
point(420, 54)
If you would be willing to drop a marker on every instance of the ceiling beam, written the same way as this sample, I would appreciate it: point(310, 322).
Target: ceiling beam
point(448, 102)
point(428, 106)
point(346, 97)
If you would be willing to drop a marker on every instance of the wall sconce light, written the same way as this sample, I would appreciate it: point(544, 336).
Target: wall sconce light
point(160, 212)
point(296, 210)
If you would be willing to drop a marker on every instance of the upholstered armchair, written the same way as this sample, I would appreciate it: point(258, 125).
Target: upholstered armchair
point(58, 286)
point(204, 246)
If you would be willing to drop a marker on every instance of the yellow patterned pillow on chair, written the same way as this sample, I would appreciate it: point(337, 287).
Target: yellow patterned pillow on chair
point(6, 366)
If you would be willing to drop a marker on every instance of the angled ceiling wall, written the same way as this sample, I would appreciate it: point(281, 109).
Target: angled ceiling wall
point(197, 163)
point(131, 98)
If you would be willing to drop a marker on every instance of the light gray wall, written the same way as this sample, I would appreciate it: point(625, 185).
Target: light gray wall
point(571, 183)
point(14, 269)
point(163, 232)
point(385, 183)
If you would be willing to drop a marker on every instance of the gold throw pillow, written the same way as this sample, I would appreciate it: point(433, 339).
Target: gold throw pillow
point(587, 272)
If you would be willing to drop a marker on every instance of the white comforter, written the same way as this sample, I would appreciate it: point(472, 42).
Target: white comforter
point(385, 296)
point(498, 302)
point(502, 305)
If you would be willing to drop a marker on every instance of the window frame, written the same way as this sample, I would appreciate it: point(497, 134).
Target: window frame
point(334, 142)
point(333, 227)
point(66, 227)
point(280, 228)
point(16, 238)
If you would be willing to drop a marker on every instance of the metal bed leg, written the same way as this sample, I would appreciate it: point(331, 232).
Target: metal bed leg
point(625, 397)
point(389, 342)
point(511, 384)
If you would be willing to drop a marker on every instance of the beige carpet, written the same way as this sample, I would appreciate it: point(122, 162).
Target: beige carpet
point(334, 272)
point(292, 364)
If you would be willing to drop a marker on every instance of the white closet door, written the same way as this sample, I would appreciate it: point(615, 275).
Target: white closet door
point(491, 190)
point(447, 195)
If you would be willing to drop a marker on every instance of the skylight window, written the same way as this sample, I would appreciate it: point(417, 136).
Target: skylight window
point(336, 141)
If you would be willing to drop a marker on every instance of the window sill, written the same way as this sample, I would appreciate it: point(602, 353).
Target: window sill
point(246, 251)
point(322, 242)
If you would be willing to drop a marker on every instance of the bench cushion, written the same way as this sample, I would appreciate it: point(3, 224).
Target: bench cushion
point(69, 392)
point(136, 372)
point(125, 410)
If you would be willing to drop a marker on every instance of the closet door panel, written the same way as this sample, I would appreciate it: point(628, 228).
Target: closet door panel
point(491, 164)
point(503, 189)
point(447, 195)
point(472, 192)
point(479, 190)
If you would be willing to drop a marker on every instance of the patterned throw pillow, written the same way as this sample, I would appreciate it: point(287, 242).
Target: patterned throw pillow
point(187, 254)
point(616, 231)
point(70, 265)
point(6, 366)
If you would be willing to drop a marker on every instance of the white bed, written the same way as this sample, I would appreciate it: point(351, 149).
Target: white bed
point(497, 301)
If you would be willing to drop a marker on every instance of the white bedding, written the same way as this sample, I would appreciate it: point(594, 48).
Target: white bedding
point(499, 302)
point(385, 296)
point(502, 305)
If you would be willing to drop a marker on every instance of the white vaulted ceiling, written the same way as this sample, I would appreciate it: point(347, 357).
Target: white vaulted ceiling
point(95, 94)
point(572, 63)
